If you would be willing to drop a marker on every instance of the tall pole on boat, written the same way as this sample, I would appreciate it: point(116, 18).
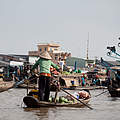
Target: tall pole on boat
point(87, 45)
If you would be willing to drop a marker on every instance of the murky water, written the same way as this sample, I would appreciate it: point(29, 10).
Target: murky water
point(105, 108)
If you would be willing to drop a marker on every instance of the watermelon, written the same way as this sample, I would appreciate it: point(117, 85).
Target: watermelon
point(66, 100)
point(50, 99)
point(57, 99)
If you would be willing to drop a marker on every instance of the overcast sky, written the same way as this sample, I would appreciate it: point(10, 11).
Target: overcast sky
point(25, 23)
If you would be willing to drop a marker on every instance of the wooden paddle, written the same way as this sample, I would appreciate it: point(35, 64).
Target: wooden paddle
point(27, 88)
point(101, 93)
point(56, 95)
point(27, 82)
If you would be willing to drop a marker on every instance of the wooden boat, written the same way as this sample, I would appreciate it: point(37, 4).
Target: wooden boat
point(6, 85)
point(114, 92)
point(70, 88)
point(34, 86)
point(30, 86)
point(32, 102)
point(114, 82)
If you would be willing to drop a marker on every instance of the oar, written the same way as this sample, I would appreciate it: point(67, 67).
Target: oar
point(27, 82)
point(56, 95)
point(27, 88)
point(101, 93)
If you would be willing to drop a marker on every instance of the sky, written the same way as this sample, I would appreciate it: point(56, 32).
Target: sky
point(25, 23)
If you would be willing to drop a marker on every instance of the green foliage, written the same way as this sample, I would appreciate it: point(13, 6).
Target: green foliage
point(65, 73)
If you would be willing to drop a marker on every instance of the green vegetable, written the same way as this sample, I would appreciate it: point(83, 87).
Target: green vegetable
point(66, 100)
point(57, 99)
point(61, 99)
point(50, 99)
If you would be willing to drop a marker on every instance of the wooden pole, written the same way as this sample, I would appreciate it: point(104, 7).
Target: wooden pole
point(56, 95)
point(101, 93)
point(27, 88)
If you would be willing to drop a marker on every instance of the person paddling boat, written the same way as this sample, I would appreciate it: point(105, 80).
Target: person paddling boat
point(44, 76)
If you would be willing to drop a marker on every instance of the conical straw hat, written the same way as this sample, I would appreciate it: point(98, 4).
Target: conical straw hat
point(45, 55)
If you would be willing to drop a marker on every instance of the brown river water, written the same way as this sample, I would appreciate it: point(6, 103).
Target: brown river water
point(104, 108)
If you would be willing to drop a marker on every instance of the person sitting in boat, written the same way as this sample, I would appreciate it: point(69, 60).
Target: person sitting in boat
point(44, 79)
point(83, 94)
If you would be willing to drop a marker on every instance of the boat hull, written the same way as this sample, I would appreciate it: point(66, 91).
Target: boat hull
point(114, 92)
point(5, 86)
point(32, 102)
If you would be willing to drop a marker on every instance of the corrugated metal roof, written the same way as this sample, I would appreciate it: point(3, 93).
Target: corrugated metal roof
point(79, 62)
point(4, 63)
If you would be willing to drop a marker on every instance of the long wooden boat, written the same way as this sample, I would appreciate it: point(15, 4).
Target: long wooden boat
point(6, 85)
point(32, 102)
point(31, 86)
point(114, 92)
point(114, 82)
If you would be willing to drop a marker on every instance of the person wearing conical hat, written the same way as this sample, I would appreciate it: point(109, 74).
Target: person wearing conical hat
point(44, 79)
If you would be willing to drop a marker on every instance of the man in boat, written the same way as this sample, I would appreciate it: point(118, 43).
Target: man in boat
point(44, 76)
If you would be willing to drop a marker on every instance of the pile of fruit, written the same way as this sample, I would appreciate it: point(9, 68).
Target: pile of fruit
point(61, 100)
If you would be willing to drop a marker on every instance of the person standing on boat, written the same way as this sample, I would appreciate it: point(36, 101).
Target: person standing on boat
point(44, 63)
point(83, 81)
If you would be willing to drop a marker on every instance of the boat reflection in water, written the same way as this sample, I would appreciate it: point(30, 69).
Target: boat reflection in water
point(41, 113)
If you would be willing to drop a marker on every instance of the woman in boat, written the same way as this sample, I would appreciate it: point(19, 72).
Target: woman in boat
point(83, 80)
point(82, 94)
point(44, 76)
